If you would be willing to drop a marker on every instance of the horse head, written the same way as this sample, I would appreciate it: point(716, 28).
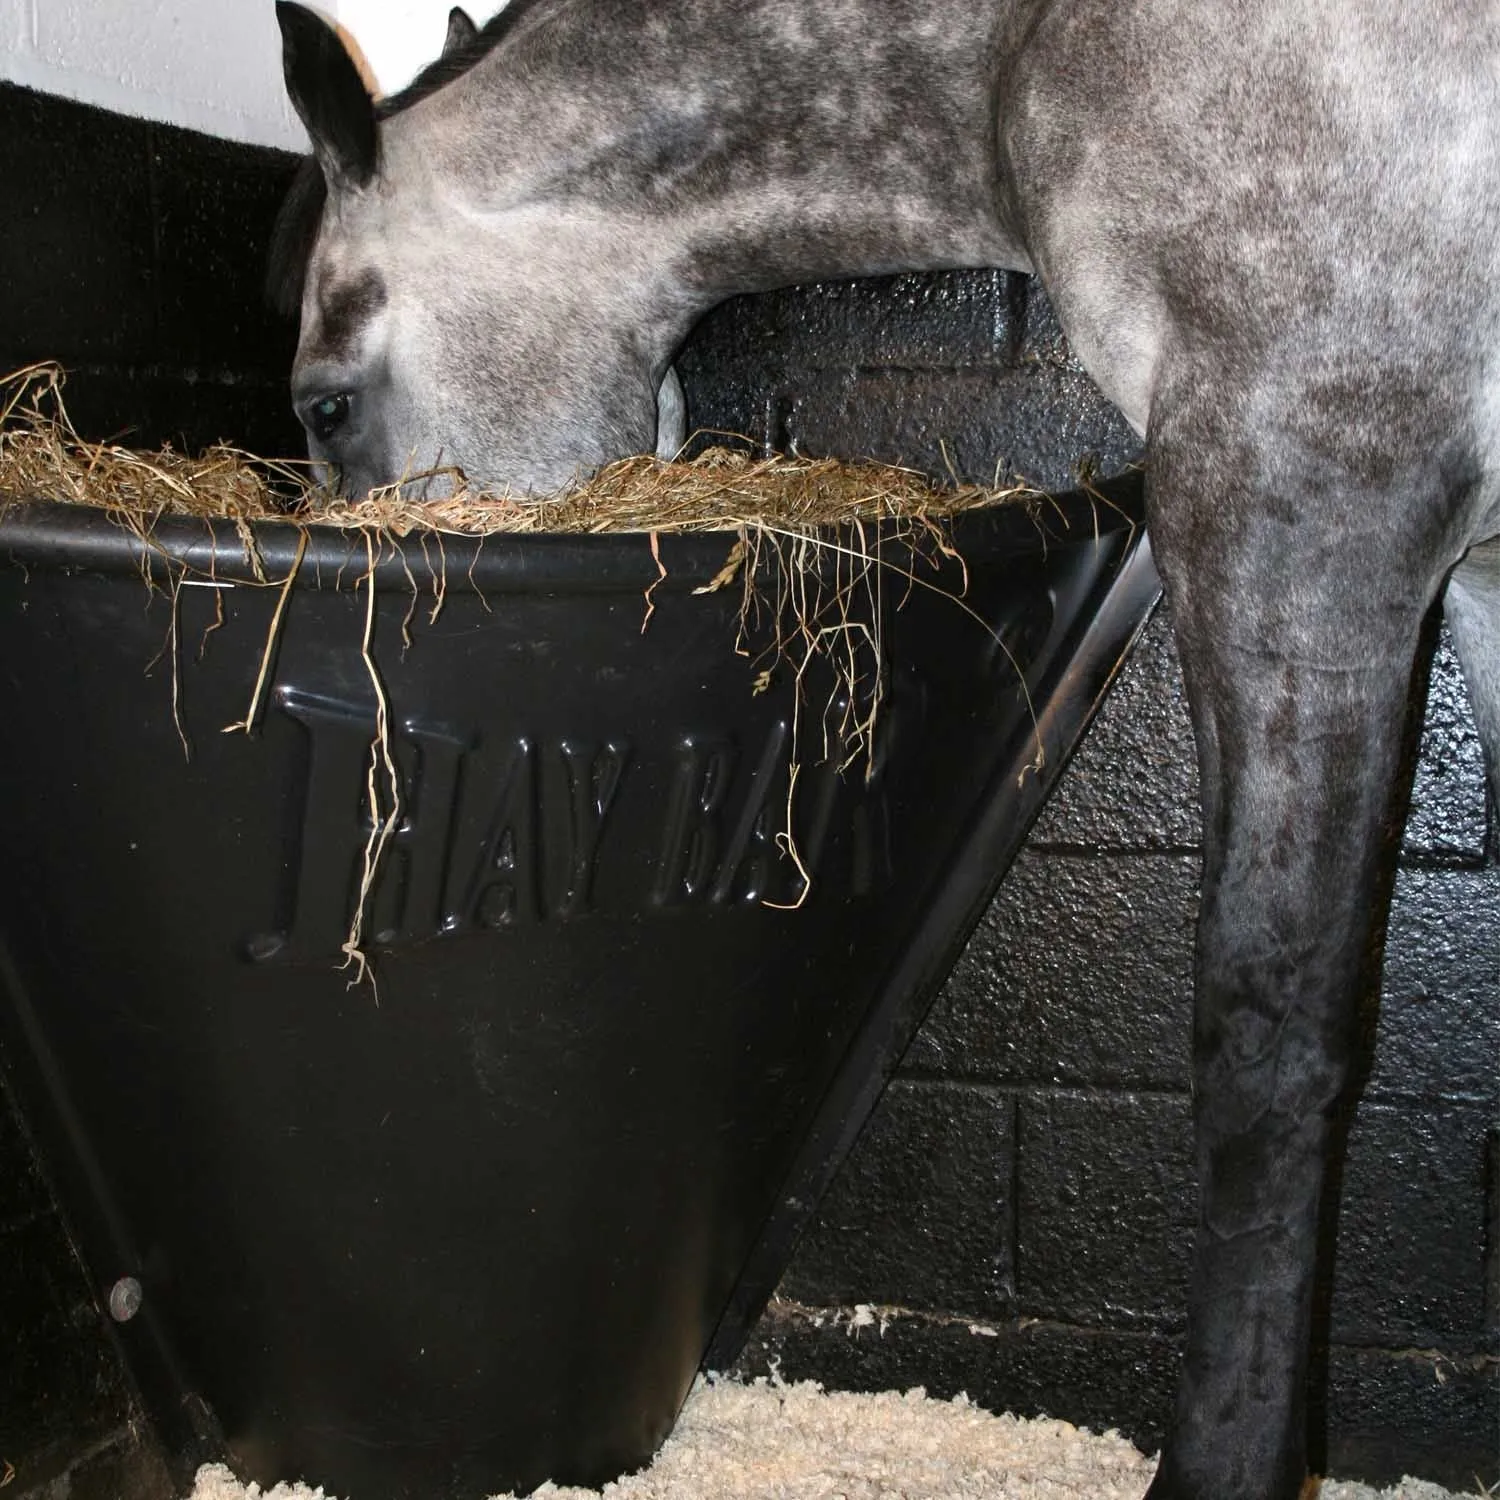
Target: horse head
point(453, 316)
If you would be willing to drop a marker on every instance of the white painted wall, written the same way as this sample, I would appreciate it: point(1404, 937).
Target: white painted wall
point(212, 65)
point(398, 37)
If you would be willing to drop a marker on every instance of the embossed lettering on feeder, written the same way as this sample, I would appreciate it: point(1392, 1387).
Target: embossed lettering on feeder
point(503, 833)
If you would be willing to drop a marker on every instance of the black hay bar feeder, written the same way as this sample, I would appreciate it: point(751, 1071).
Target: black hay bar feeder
point(480, 1227)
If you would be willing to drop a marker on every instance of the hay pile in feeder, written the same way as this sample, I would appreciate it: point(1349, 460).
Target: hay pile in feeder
point(811, 539)
point(797, 1442)
point(42, 457)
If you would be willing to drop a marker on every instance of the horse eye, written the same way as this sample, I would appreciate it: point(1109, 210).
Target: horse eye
point(326, 415)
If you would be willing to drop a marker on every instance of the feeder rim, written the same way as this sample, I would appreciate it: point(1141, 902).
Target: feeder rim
point(44, 533)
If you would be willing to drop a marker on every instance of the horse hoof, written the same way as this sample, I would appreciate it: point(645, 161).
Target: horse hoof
point(1170, 1486)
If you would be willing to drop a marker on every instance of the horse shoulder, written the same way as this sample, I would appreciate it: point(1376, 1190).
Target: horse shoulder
point(1225, 190)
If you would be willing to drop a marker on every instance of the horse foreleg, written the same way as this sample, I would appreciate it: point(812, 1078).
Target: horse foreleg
point(1296, 618)
point(1472, 606)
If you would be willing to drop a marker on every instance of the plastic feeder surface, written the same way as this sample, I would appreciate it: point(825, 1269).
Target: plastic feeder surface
point(478, 1230)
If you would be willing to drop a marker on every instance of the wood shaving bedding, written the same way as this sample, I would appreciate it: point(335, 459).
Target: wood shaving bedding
point(771, 1441)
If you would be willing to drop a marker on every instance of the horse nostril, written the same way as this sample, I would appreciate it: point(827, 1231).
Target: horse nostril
point(327, 414)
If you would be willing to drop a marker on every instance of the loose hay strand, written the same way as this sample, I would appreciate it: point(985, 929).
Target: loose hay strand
point(176, 651)
point(381, 758)
point(252, 715)
point(656, 583)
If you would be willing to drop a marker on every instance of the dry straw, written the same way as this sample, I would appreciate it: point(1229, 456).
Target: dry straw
point(809, 543)
point(43, 458)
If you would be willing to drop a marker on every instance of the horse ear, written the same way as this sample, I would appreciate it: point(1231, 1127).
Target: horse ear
point(330, 96)
point(461, 31)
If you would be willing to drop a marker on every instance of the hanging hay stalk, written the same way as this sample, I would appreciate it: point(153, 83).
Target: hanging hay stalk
point(811, 538)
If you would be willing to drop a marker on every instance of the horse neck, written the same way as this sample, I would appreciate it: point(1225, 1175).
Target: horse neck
point(763, 141)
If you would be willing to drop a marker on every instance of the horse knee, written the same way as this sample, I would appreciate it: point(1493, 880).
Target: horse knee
point(1265, 1107)
point(1257, 1061)
point(1275, 1039)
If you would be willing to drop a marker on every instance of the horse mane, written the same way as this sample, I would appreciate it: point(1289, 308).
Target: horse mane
point(296, 227)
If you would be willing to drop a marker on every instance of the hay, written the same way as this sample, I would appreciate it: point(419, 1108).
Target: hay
point(42, 457)
point(812, 538)
point(772, 1441)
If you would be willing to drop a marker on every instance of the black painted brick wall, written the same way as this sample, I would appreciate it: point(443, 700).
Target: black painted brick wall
point(958, 373)
point(134, 254)
point(1016, 1209)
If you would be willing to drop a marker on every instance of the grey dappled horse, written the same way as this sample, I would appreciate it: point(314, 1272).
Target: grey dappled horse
point(1271, 230)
